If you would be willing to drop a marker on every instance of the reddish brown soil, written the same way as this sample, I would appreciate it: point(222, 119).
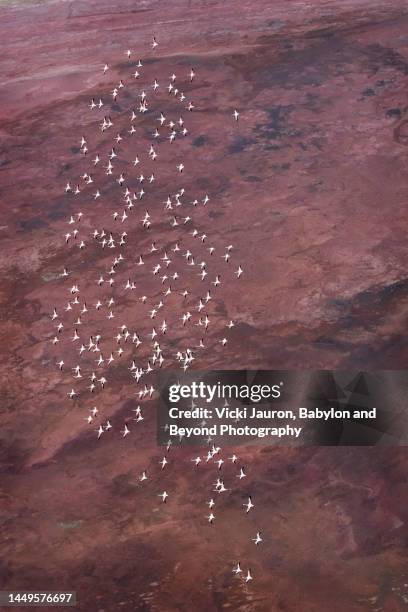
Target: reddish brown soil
point(311, 189)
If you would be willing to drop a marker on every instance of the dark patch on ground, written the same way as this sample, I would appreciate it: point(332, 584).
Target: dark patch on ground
point(12, 456)
point(280, 167)
point(393, 113)
point(278, 125)
point(32, 224)
point(376, 296)
point(123, 485)
point(200, 141)
point(254, 179)
point(379, 56)
point(240, 144)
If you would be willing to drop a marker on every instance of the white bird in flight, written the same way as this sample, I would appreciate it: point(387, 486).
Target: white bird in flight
point(248, 505)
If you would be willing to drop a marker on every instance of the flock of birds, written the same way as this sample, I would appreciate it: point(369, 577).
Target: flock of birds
point(169, 286)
